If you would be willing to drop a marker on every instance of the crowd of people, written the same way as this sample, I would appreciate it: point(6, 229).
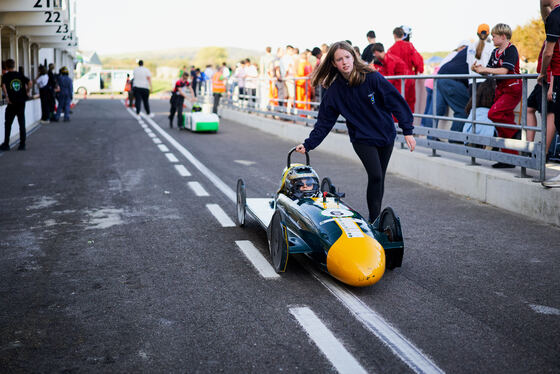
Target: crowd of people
point(55, 92)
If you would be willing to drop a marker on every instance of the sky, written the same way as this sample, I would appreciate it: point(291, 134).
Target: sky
point(119, 26)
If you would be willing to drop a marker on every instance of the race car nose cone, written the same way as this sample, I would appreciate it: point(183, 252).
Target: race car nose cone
point(356, 261)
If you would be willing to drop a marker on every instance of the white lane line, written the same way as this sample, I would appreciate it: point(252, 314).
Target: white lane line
point(404, 349)
point(198, 189)
point(163, 147)
point(257, 259)
point(389, 335)
point(193, 160)
point(152, 135)
point(157, 140)
point(171, 157)
point(220, 215)
point(182, 170)
point(329, 345)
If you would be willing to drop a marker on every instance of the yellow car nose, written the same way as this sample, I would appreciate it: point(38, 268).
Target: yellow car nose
point(356, 261)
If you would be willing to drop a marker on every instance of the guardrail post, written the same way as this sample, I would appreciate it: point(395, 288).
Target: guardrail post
point(542, 150)
point(524, 121)
point(473, 112)
point(434, 112)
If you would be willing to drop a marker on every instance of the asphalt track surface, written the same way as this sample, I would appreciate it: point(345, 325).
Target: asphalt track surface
point(110, 262)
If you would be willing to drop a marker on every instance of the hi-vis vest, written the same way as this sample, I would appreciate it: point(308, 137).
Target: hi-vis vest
point(218, 85)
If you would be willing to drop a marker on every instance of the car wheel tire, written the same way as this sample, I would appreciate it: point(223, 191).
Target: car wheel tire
point(241, 201)
point(390, 225)
point(278, 244)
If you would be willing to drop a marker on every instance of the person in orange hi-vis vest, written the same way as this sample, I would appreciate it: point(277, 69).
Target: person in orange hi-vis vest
point(304, 69)
point(218, 87)
point(404, 49)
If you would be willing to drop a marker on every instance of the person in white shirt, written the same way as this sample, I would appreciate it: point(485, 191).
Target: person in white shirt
point(45, 94)
point(251, 79)
point(142, 87)
point(480, 51)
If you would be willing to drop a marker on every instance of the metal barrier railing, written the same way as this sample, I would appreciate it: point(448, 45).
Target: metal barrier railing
point(530, 154)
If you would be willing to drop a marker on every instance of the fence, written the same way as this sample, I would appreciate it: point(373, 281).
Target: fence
point(527, 154)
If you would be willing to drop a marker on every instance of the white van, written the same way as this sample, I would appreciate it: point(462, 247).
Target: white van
point(101, 81)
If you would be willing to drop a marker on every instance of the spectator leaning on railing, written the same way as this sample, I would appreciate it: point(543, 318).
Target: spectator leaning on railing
point(504, 60)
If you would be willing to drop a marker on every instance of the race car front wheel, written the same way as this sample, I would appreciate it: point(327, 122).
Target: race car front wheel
point(241, 201)
point(278, 244)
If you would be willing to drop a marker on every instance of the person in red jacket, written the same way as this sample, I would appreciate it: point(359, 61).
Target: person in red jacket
point(413, 60)
point(387, 64)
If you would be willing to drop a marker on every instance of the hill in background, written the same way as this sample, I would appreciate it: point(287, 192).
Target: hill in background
point(179, 57)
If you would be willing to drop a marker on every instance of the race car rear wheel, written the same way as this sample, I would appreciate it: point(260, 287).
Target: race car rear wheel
point(241, 201)
point(278, 244)
point(390, 225)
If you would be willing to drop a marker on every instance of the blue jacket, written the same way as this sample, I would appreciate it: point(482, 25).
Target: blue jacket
point(66, 86)
point(368, 110)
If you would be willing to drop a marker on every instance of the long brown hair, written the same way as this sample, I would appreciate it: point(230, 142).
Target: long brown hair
point(480, 46)
point(327, 72)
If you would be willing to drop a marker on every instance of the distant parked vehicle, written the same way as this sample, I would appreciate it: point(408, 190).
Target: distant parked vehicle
point(102, 81)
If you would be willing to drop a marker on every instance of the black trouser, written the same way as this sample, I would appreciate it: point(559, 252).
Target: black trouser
point(217, 97)
point(176, 106)
point(13, 110)
point(375, 160)
point(141, 96)
point(46, 103)
point(556, 102)
point(194, 86)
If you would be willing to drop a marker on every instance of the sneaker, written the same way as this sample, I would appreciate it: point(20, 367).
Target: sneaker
point(552, 182)
point(45, 121)
point(501, 165)
point(4, 147)
point(21, 147)
point(151, 115)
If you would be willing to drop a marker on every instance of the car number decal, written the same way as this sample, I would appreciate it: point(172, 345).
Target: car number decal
point(337, 212)
point(350, 228)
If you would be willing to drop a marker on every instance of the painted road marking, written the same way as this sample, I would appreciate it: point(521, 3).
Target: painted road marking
point(220, 215)
point(171, 157)
point(404, 349)
point(182, 171)
point(257, 259)
point(245, 162)
point(226, 190)
point(198, 189)
point(157, 140)
point(152, 135)
point(389, 335)
point(329, 345)
point(163, 147)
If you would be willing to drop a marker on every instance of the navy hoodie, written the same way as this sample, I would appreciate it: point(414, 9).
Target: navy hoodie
point(368, 110)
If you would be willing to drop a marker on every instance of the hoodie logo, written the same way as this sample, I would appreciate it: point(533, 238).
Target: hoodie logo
point(372, 97)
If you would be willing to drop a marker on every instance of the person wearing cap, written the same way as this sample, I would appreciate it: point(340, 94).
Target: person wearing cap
point(413, 60)
point(479, 52)
point(367, 53)
point(64, 95)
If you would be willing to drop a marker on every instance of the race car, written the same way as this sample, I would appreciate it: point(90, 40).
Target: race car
point(305, 217)
point(200, 119)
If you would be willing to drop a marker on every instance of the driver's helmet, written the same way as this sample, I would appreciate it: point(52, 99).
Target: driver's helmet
point(302, 181)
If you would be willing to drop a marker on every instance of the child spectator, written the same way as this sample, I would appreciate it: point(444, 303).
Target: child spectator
point(504, 60)
point(484, 99)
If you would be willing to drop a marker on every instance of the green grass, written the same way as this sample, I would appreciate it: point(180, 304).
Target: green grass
point(161, 85)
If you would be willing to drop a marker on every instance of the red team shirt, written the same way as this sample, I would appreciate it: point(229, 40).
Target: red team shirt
point(390, 66)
